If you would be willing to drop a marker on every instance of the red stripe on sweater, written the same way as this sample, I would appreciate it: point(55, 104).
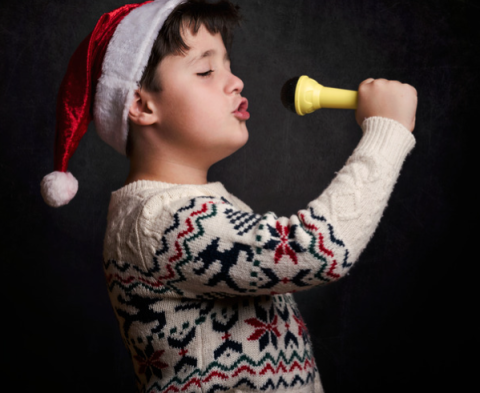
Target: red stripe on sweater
point(282, 367)
point(186, 231)
point(268, 367)
point(178, 255)
point(332, 268)
point(321, 246)
point(202, 210)
point(320, 236)
point(307, 364)
point(244, 368)
point(215, 374)
point(294, 366)
point(194, 380)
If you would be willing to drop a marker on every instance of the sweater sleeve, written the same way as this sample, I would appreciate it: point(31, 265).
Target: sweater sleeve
point(209, 248)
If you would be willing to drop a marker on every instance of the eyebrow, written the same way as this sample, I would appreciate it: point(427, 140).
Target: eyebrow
point(207, 53)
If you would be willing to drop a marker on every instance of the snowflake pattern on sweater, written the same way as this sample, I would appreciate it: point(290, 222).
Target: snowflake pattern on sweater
point(212, 252)
point(202, 286)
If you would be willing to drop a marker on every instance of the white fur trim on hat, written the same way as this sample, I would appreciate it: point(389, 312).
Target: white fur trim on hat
point(58, 188)
point(125, 60)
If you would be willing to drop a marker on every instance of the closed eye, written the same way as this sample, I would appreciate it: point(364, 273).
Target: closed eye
point(204, 74)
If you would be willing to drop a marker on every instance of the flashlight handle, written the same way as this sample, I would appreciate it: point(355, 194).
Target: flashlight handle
point(311, 95)
point(330, 97)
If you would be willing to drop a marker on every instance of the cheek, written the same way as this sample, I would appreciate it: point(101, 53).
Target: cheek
point(193, 101)
point(180, 109)
point(191, 119)
point(203, 109)
point(196, 116)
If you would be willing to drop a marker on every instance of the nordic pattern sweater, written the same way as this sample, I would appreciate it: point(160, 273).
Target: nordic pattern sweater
point(202, 286)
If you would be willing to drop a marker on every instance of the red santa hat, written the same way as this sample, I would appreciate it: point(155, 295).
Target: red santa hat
point(99, 84)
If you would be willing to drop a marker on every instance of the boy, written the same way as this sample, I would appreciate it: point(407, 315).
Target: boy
point(201, 285)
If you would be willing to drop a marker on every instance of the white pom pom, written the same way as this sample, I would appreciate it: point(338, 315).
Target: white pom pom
point(58, 188)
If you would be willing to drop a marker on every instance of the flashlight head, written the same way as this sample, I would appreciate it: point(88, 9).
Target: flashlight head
point(287, 95)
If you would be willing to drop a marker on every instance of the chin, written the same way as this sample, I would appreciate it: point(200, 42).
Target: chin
point(233, 149)
point(245, 135)
point(243, 141)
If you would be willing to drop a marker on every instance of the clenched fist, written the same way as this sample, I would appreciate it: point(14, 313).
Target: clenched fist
point(390, 99)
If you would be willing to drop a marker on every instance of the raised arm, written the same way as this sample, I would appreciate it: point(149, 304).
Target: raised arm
point(210, 247)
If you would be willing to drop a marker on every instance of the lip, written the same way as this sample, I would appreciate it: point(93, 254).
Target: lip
point(241, 111)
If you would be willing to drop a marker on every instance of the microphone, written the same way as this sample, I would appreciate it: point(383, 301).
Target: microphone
point(304, 95)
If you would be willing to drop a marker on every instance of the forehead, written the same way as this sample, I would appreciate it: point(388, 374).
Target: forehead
point(203, 45)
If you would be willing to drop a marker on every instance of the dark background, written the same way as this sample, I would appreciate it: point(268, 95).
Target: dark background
point(403, 320)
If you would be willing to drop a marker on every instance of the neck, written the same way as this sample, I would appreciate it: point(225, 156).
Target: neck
point(159, 158)
point(166, 171)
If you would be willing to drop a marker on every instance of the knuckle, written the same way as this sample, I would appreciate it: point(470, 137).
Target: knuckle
point(409, 88)
point(383, 82)
point(363, 88)
point(380, 84)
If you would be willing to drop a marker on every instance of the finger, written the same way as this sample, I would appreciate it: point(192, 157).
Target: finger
point(369, 80)
point(412, 88)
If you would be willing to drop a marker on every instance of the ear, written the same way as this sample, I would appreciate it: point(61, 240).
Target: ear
point(142, 111)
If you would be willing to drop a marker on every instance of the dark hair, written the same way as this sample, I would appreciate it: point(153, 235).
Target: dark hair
point(219, 17)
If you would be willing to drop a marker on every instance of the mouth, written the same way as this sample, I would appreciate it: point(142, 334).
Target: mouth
point(241, 111)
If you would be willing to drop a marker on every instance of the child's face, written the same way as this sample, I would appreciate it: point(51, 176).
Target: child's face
point(199, 99)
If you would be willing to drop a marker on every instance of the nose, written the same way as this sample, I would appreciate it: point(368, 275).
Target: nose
point(234, 84)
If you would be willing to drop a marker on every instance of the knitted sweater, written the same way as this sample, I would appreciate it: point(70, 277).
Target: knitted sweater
point(202, 286)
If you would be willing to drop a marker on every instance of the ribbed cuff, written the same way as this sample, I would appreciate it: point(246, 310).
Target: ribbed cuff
point(386, 137)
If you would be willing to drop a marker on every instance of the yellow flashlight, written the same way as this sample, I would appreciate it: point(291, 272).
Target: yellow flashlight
point(304, 95)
